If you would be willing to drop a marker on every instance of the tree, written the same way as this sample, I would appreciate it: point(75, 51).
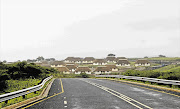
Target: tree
point(4, 61)
point(40, 58)
point(111, 54)
point(145, 57)
point(162, 56)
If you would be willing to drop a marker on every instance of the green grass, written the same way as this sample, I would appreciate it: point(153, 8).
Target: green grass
point(20, 99)
point(15, 85)
point(169, 68)
point(164, 58)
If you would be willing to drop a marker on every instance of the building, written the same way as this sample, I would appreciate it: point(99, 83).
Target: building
point(102, 70)
point(118, 58)
point(63, 70)
point(113, 67)
point(80, 70)
point(142, 62)
point(57, 64)
point(123, 62)
point(78, 60)
point(69, 59)
point(99, 62)
point(110, 59)
point(88, 60)
point(71, 67)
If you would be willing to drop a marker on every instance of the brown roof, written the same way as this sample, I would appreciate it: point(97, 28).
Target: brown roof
point(70, 58)
point(45, 65)
point(44, 62)
point(70, 67)
point(99, 61)
point(57, 63)
point(78, 59)
point(102, 68)
point(112, 66)
point(119, 58)
point(89, 59)
point(110, 58)
point(82, 69)
point(61, 69)
point(142, 61)
point(123, 61)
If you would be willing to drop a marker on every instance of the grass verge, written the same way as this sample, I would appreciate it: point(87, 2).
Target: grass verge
point(20, 99)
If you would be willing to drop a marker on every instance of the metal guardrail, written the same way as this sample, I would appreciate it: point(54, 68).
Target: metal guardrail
point(163, 81)
point(22, 92)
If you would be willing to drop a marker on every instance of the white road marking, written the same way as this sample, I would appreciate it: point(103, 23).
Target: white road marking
point(65, 106)
point(64, 97)
point(65, 102)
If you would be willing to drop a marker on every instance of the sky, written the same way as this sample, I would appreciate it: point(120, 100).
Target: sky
point(81, 28)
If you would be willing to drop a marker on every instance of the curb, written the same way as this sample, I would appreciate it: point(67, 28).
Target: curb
point(43, 94)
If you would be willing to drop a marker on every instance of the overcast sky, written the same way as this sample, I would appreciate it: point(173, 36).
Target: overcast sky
point(61, 28)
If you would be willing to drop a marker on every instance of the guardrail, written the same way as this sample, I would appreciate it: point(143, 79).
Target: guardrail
point(163, 81)
point(8, 96)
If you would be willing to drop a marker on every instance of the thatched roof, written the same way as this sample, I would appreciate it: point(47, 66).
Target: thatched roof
point(142, 61)
point(99, 61)
point(83, 69)
point(58, 63)
point(89, 59)
point(112, 66)
point(110, 58)
point(62, 69)
point(123, 61)
point(119, 58)
point(70, 67)
point(102, 68)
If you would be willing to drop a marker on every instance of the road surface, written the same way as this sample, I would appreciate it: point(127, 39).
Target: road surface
point(81, 93)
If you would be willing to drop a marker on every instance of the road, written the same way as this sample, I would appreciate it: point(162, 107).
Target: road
point(81, 93)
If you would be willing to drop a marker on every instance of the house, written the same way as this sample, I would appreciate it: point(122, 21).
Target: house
point(80, 70)
point(99, 62)
point(113, 67)
point(88, 60)
point(78, 60)
point(63, 70)
point(110, 59)
point(102, 70)
point(69, 59)
point(117, 59)
point(142, 62)
point(57, 64)
point(123, 62)
point(71, 67)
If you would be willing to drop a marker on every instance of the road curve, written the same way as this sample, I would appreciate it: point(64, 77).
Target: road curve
point(77, 93)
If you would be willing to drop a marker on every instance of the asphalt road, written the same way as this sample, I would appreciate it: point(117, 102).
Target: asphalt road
point(70, 93)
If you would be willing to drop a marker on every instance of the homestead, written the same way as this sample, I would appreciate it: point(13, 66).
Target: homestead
point(88, 60)
point(113, 67)
point(142, 62)
point(102, 70)
point(57, 64)
point(63, 70)
point(82, 69)
point(122, 62)
point(99, 62)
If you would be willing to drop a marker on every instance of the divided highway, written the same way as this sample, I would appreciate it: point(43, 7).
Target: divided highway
point(80, 93)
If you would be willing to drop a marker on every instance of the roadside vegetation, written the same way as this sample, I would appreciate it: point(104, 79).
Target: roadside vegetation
point(19, 76)
point(171, 72)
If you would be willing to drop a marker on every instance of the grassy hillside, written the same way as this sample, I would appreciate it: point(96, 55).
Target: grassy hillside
point(164, 58)
point(169, 68)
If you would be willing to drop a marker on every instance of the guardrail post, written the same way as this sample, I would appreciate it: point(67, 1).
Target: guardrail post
point(24, 96)
point(6, 101)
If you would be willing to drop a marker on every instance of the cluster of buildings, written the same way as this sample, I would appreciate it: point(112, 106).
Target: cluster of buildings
point(90, 65)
